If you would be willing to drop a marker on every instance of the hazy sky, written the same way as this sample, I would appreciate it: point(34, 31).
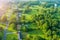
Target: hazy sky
point(19, 0)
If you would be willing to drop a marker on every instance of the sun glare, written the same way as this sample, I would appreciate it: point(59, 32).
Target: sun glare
point(3, 7)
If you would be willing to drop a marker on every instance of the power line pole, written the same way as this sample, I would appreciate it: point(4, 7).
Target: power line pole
point(7, 24)
point(5, 30)
point(19, 25)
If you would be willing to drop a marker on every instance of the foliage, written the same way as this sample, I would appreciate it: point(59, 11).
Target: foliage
point(40, 23)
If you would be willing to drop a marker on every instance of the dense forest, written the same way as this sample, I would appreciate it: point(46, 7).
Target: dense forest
point(36, 22)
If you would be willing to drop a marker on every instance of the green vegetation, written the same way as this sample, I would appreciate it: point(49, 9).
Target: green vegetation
point(37, 23)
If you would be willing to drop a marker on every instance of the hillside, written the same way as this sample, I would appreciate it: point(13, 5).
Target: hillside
point(31, 21)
